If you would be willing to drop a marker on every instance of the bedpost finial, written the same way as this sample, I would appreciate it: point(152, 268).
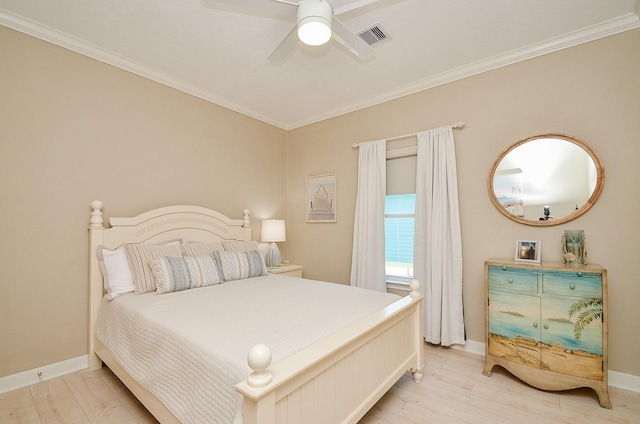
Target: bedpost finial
point(415, 288)
point(96, 215)
point(246, 222)
point(259, 359)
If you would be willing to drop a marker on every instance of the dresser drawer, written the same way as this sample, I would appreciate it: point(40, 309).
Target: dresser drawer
point(513, 279)
point(572, 284)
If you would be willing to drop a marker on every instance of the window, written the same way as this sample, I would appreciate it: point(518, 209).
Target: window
point(399, 218)
point(400, 207)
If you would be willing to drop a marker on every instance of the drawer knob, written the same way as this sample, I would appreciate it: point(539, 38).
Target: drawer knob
point(572, 286)
point(535, 325)
point(510, 280)
point(579, 273)
point(504, 268)
point(546, 326)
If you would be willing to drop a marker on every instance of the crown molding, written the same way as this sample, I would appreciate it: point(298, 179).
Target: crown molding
point(77, 45)
point(595, 32)
point(614, 26)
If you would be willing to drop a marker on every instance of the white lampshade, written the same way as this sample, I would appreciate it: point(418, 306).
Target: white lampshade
point(273, 230)
point(314, 22)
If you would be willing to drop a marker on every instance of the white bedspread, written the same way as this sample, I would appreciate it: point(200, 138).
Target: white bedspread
point(189, 348)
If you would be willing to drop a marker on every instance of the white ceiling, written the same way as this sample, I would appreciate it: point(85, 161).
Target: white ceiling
point(219, 52)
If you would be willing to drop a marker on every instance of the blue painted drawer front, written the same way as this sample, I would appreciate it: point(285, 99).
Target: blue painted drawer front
point(513, 279)
point(572, 284)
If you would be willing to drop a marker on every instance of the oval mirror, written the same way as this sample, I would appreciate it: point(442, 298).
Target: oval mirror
point(546, 179)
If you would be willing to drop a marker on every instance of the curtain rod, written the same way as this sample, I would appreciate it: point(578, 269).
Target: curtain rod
point(457, 126)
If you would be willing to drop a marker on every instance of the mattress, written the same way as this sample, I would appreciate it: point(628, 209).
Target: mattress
point(189, 348)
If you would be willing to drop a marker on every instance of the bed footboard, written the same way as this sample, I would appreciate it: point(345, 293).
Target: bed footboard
point(339, 379)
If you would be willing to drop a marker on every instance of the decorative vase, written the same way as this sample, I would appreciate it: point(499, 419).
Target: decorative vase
point(273, 259)
point(574, 251)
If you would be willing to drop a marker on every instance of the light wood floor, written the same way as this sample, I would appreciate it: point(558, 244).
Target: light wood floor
point(453, 391)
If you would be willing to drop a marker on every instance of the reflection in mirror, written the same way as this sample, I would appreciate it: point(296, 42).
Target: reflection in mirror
point(546, 179)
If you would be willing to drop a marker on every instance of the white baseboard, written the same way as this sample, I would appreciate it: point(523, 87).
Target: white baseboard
point(471, 347)
point(616, 379)
point(624, 381)
point(27, 378)
point(47, 372)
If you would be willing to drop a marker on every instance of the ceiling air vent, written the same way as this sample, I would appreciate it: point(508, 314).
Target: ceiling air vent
point(374, 35)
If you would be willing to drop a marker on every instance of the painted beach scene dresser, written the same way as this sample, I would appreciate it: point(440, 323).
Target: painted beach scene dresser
point(546, 324)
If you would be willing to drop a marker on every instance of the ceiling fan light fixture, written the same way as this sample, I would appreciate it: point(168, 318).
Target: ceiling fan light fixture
point(314, 22)
point(314, 31)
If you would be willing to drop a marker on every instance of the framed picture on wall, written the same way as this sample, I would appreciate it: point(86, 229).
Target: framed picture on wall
point(321, 198)
point(528, 251)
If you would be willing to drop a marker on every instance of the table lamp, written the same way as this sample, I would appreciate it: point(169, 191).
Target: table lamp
point(273, 230)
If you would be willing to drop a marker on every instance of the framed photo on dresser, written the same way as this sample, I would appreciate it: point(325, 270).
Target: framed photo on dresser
point(528, 251)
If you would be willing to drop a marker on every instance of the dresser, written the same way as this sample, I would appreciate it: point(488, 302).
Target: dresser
point(547, 324)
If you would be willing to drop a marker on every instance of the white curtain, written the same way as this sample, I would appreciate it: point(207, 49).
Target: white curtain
point(367, 262)
point(438, 243)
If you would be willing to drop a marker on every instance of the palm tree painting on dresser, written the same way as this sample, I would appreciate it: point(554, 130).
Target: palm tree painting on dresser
point(591, 308)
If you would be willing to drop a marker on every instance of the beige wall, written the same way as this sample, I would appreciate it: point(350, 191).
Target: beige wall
point(72, 130)
point(591, 91)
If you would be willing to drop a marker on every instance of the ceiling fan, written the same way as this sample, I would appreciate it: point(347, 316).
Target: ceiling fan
point(316, 24)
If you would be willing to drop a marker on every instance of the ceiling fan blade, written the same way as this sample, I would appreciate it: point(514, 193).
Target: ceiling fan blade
point(351, 40)
point(278, 9)
point(340, 6)
point(285, 48)
point(294, 3)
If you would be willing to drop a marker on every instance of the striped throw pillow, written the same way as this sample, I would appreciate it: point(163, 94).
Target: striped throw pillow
point(176, 274)
point(139, 256)
point(240, 245)
point(237, 265)
point(201, 249)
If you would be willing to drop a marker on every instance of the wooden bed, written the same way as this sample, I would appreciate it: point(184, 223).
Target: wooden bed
point(335, 380)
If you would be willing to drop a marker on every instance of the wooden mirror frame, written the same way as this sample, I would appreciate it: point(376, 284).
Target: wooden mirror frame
point(592, 199)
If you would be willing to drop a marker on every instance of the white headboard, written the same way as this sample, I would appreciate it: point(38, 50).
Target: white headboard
point(190, 223)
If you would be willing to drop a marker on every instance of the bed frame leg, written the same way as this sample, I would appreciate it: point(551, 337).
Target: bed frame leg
point(415, 293)
point(96, 238)
point(94, 362)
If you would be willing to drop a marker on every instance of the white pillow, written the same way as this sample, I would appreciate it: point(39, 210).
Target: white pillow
point(116, 272)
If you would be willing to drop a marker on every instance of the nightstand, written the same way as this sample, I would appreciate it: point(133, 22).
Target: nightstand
point(290, 270)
